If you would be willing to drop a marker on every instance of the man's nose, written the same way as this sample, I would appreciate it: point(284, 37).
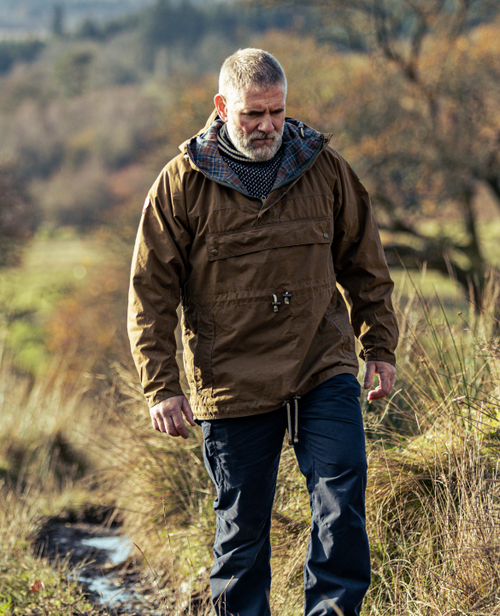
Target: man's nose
point(266, 124)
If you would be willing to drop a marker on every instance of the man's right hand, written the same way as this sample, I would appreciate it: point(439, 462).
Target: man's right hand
point(166, 416)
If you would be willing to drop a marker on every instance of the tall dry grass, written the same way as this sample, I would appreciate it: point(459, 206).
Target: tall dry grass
point(47, 449)
point(433, 498)
point(164, 497)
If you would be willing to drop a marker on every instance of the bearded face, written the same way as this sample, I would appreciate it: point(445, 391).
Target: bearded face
point(258, 146)
point(255, 120)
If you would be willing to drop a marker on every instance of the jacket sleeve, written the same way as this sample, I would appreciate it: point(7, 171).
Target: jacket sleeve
point(159, 269)
point(361, 268)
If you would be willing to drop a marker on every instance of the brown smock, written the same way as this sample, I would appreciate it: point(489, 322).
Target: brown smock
point(273, 290)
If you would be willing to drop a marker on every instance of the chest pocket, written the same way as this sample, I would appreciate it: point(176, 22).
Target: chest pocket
point(267, 237)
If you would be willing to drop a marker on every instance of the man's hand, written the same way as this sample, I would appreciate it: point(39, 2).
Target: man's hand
point(166, 416)
point(386, 373)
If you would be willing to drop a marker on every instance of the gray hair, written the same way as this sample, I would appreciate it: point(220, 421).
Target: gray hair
point(250, 67)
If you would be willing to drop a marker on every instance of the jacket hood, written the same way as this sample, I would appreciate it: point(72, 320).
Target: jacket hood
point(301, 146)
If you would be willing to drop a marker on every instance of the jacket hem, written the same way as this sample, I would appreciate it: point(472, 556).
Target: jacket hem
point(208, 412)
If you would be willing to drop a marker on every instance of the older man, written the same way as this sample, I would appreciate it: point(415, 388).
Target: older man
point(267, 237)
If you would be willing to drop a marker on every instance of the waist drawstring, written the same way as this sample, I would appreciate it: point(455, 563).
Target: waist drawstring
point(293, 434)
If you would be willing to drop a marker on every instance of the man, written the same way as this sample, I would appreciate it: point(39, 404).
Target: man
point(251, 227)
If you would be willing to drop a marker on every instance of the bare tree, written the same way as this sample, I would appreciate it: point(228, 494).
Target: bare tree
point(18, 218)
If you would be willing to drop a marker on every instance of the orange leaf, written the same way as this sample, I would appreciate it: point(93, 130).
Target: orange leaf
point(37, 586)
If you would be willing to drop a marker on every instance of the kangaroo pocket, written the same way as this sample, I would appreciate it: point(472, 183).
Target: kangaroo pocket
point(332, 344)
point(245, 351)
point(266, 237)
point(254, 353)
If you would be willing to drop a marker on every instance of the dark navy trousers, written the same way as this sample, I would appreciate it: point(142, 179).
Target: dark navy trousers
point(242, 457)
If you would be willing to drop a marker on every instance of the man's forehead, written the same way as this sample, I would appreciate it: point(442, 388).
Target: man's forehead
point(255, 96)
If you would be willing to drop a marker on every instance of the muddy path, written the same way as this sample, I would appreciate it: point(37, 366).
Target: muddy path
point(101, 559)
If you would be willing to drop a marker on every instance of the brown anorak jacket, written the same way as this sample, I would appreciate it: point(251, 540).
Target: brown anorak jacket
point(273, 291)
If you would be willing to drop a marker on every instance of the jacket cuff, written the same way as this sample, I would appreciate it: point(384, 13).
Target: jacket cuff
point(378, 354)
point(160, 396)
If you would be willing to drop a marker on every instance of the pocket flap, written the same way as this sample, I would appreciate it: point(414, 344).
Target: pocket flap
point(267, 237)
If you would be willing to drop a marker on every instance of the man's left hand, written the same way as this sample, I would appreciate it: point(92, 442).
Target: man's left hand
point(386, 373)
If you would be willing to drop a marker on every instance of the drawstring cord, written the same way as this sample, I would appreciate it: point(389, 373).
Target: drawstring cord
point(289, 420)
point(296, 431)
point(293, 433)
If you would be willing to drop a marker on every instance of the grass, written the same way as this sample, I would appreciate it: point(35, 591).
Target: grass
point(433, 513)
point(29, 585)
point(433, 509)
point(46, 448)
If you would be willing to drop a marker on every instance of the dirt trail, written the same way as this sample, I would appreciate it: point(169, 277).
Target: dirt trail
point(100, 558)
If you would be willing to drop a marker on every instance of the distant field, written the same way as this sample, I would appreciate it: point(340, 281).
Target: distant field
point(52, 267)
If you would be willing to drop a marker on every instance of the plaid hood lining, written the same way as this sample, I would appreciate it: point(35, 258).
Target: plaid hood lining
point(301, 145)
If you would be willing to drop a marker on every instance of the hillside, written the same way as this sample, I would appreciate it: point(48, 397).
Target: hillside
point(20, 18)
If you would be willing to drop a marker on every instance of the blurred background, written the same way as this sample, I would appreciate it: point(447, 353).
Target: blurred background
point(97, 95)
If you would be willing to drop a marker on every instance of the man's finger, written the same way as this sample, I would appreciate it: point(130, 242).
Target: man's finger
point(377, 393)
point(188, 413)
point(369, 375)
point(173, 427)
point(157, 420)
point(178, 425)
point(386, 381)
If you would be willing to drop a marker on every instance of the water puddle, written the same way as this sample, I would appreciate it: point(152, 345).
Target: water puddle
point(108, 589)
point(118, 548)
point(108, 592)
point(101, 563)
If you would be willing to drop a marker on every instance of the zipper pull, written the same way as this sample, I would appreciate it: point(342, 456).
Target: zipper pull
point(275, 303)
point(287, 296)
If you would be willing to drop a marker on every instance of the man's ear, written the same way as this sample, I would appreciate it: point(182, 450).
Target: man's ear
point(221, 106)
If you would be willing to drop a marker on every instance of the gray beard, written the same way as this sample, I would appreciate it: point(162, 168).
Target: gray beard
point(244, 144)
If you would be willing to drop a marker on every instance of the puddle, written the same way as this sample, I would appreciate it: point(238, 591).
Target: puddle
point(118, 548)
point(107, 591)
point(101, 563)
